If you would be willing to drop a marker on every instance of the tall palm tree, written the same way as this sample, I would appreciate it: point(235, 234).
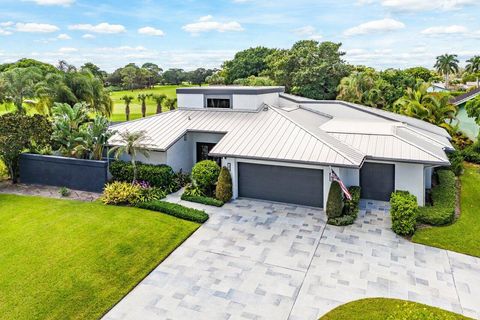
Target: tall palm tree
point(159, 98)
point(447, 64)
point(473, 66)
point(171, 103)
point(127, 100)
point(142, 97)
point(132, 144)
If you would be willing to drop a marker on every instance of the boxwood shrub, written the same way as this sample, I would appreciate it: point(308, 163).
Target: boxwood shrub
point(175, 210)
point(334, 201)
point(350, 209)
point(404, 212)
point(442, 211)
point(160, 176)
point(203, 200)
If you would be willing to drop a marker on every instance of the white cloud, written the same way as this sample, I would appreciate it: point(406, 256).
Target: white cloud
point(103, 27)
point(206, 24)
point(150, 31)
point(63, 36)
point(88, 36)
point(6, 24)
point(442, 30)
point(36, 27)
point(53, 2)
point(67, 50)
point(308, 31)
point(375, 26)
point(5, 32)
point(422, 5)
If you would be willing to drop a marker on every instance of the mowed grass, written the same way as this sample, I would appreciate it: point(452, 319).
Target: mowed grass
point(65, 259)
point(464, 234)
point(382, 309)
point(135, 106)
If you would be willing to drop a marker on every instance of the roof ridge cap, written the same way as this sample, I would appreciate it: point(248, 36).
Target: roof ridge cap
point(417, 146)
point(319, 139)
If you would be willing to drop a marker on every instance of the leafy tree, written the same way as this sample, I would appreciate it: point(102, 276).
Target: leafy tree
point(129, 76)
point(20, 133)
point(174, 76)
point(447, 64)
point(95, 70)
point(254, 81)
point(473, 66)
point(397, 82)
point(215, 79)
point(142, 97)
point(43, 68)
point(132, 144)
point(127, 100)
point(363, 87)
point(19, 84)
point(154, 73)
point(159, 98)
point(420, 73)
point(309, 68)
point(198, 76)
point(64, 66)
point(249, 62)
point(473, 109)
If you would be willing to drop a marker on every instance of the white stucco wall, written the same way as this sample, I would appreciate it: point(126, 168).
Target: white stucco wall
point(253, 102)
point(190, 100)
point(410, 177)
point(179, 155)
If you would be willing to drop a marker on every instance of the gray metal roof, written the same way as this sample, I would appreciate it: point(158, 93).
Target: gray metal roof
point(326, 133)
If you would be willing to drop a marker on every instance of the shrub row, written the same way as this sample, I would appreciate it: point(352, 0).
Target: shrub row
point(175, 210)
point(442, 211)
point(203, 200)
point(403, 212)
point(160, 176)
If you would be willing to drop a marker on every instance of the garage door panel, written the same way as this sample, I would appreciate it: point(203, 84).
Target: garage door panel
point(282, 184)
point(377, 181)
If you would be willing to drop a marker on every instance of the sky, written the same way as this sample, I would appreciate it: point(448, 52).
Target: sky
point(189, 34)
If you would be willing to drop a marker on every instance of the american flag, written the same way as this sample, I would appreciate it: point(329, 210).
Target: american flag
point(340, 182)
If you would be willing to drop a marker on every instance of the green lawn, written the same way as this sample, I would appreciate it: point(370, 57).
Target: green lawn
point(464, 234)
point(135, 106)
point(65, 259)
point(391, 309)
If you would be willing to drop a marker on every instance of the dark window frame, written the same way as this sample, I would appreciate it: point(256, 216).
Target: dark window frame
point(219, 97)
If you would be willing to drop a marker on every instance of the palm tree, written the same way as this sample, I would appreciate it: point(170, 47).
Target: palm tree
point(132, 144)
point(142, 97)
point(447, 64)
point(171, 103)
point(159, 98)
point(473, 66)
point(127, 100)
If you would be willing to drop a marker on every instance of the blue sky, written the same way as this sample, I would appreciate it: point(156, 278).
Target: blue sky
point(190, 34)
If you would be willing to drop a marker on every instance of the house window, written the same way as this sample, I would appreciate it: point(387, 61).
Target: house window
point(223, 102)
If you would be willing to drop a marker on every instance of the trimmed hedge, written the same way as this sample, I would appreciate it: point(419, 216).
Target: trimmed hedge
point(334, 201)
point(175, 210)
point(350, 209)
point(404, 211)
point(203, 200)
point(224, 191)
point(442, 211)
point(160, 176)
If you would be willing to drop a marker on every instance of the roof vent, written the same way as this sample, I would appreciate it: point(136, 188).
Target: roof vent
point(265, 107)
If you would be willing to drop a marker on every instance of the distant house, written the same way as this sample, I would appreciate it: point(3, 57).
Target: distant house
point(464, 98)
point(281, 147)
point(437, 87)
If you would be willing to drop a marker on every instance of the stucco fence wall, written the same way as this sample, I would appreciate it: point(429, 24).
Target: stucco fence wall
point(78, 174)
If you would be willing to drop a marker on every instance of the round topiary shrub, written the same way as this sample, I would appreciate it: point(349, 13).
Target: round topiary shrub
point(224, 186)
point(334, 201)
point(205, 175)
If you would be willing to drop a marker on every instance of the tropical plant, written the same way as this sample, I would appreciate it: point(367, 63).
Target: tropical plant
point(205, 175)
point(127, 100)
point(97, 137)
point(473, 109)
point(142, 97)
point(159, 98)
point(19, 84)
point(473, 66)
point(447, 64)
point(171, 103)
point(20, 133)
point(132, 144)
point(215, 79)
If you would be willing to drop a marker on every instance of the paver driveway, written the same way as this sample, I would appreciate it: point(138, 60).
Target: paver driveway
point(258, 260)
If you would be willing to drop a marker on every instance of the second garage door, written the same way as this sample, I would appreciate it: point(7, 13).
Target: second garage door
point(377, 181)
point(283, 184)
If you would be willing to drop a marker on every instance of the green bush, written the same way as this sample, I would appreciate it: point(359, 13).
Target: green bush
point(64, 192)
point(456, 162)
point(224, 191)
point(442, 211)
point(175, 210)
point(203, 200)
point(205, 175)
point(160, 176)
point(344, 220)
point(119, 192)
point(350, 209)
point(404, 211)
point(151, 194)
point(471, 153)
point(334, 201)
point(193, 191)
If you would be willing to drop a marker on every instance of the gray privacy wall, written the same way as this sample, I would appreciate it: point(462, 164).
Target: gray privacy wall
point(78, 174)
